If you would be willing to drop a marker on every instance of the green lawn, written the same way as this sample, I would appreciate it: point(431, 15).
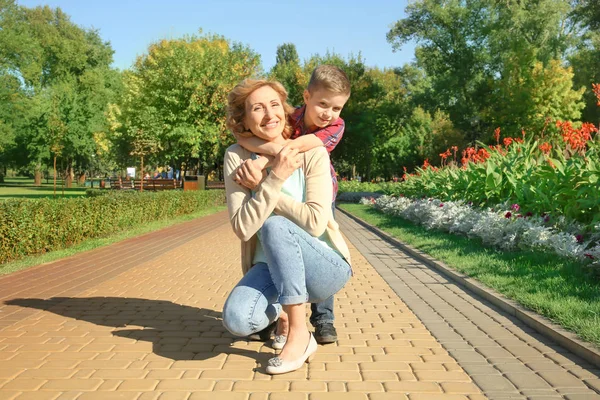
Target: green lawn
point(22, 187)
point(560, 289)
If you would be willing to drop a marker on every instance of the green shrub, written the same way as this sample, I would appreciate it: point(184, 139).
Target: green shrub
point(38, 226)
point(96, 192)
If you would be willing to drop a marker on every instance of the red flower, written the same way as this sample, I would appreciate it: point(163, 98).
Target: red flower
point(507, 141)
point(545, 147)
point(497, 134)
point(591, 257)
point(441, 204)
point(508, 215)
point(596, 88)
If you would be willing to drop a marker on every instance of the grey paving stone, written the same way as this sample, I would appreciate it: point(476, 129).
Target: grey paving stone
point(561, 379)
point(527, 381)
point(494, 383)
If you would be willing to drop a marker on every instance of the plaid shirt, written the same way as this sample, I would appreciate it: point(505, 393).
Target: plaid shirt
point(330, 136)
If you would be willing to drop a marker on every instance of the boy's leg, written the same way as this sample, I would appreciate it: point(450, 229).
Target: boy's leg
point(321, 318)
point(321, 315)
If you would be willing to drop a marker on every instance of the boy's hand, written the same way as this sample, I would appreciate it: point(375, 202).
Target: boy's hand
point(287, 161)
point(249, 174)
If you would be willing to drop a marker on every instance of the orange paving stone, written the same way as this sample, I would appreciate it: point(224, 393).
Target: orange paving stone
point(148, 326)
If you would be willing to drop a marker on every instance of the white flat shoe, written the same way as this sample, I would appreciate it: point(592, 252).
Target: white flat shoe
point(278, 366)
point(279, 341)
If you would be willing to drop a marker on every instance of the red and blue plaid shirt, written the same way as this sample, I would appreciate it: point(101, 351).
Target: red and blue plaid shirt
point(330, 136)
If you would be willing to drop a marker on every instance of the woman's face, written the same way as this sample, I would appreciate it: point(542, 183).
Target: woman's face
point(265, 116)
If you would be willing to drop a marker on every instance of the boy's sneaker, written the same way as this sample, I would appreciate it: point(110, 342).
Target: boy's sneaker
point(265, 334)
point(325, 333)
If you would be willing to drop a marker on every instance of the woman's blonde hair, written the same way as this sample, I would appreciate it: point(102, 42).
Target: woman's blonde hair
point(236, 105)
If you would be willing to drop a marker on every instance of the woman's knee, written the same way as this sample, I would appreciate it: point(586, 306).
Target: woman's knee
point(274, 226)
point(235, 320)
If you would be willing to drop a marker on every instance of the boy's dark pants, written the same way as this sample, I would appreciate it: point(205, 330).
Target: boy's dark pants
point(322, 313)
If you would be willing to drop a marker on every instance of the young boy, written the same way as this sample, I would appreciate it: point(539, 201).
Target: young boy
point(315, 124)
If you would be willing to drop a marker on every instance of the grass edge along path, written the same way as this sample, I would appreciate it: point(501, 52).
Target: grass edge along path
point(557, 288)
point(34, 260)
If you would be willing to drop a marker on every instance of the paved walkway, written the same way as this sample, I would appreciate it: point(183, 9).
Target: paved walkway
point(140, 320)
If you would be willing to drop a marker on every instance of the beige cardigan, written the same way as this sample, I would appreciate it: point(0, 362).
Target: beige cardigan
point(247, 214)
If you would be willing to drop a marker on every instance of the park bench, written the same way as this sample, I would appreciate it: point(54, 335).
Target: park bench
point(153, 185)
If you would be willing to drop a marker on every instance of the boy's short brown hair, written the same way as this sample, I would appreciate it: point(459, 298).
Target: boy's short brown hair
point(329, 77)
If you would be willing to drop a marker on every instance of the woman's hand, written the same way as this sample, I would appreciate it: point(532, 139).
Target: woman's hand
point(286, 162)
point(249, 174)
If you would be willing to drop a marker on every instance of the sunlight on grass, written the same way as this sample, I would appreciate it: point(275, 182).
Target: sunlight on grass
point(560, 289)
point(23, 187)
point(95, 243)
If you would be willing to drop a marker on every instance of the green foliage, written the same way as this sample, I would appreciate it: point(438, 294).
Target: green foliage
point(176, 96)
point(63, 83)
point(481, 56)
point(39, 226)
point(288, 71)
point(528, 99)
point(555, 184)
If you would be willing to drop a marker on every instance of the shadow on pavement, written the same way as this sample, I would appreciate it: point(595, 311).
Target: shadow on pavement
point(176, 331)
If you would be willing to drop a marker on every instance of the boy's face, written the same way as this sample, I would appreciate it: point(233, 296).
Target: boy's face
point(323, 107)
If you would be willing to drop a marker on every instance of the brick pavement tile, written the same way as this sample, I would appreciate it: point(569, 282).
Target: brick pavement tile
point(442, 376)
point(261, 386)
point(72, 384)
point(341, 366)
point(495, 383)
point(381, 376)
point(561, 379)
point(365, 387)
point(409, 387)
point(582, 397)
point(185, 385)
point(23, 384)
point(37, 396)
point(138, 385)
point(459, 387)
point(174, 395)
point(427, 366)
point(527, 381)
point(444, 396)
point(387, 396)
point(48, 373)
point(109, 396)
point(288, 396)
point(593, 383)
point(336, 387)
point(338, 396)
point(308, 386)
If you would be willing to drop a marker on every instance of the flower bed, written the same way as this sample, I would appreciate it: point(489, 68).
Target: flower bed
point(502, 227)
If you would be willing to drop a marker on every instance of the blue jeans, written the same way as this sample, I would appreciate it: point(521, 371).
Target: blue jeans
point(299, 269)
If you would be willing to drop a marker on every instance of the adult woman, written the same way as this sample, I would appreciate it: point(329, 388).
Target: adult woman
point(292, 249)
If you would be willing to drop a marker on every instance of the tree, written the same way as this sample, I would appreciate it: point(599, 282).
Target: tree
point(529, 99)
point(64, 72)
point(288, 71)
point(466, 47)
point(177, 95)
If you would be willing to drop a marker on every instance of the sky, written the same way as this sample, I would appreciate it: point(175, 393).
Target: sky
point(346, 27)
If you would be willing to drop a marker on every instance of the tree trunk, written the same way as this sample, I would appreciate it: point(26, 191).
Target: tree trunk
point(142, 174)
point(81, 178)
point(69, 177)
point(1, 173)
point(54, 176)
point(38, 176)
